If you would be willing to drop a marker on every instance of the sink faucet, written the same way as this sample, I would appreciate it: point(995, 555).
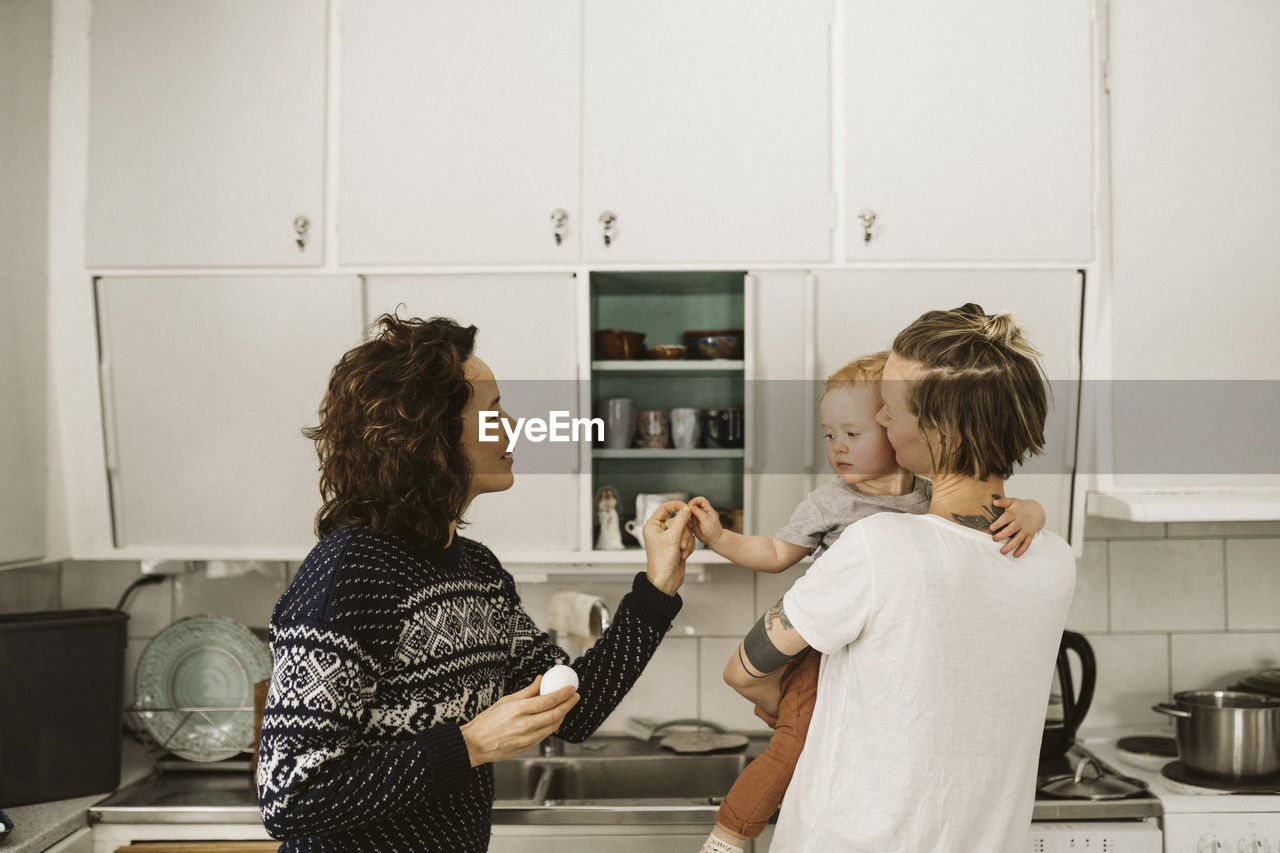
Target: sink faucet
point(551, 747)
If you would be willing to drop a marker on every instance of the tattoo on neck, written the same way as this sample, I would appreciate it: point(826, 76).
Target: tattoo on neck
point(980, 521)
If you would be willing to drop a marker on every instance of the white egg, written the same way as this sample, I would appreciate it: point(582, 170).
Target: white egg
point(556, 677)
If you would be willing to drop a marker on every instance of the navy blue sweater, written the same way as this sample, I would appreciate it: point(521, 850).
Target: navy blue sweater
point(382, 651)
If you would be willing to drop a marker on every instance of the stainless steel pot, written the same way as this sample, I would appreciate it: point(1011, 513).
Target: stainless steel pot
point(1226, 734)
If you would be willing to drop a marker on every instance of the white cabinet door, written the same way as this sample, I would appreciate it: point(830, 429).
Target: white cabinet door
point(459, 133)
point(1196, 199)
point(861, 312)
point(784, 422)
point(206, 133)
point(969, 130)
point(207, 384)
point(526, 335)
point(706, 130)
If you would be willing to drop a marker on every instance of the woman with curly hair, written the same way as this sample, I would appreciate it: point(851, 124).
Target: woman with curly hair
point(405, 664)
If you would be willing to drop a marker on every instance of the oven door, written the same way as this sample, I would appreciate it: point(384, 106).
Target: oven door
point(1117, 836)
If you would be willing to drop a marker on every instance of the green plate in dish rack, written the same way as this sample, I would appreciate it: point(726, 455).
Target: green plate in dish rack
point(193, 689)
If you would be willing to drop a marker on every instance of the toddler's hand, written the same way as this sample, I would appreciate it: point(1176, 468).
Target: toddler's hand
point(706, 521)
point(1019, 523)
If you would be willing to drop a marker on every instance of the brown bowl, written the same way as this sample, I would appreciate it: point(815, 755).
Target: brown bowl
point(714, 343)
point(613, 344)
point(666, 352)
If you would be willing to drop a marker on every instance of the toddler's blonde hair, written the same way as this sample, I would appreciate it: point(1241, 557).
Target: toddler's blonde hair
point(867, 369)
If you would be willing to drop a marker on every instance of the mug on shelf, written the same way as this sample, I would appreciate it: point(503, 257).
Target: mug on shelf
point(724, 427)
point(619, 416)
point(685, 430)
point(653, 429)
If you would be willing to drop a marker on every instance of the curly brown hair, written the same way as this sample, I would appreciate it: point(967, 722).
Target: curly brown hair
point(390, 432)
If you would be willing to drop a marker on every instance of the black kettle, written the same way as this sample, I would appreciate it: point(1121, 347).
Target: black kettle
point(1060, 733)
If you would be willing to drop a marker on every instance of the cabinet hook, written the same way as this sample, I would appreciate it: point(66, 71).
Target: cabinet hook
point(559, 224)
point(608, 219)
point(301, 225)
point(868, 218)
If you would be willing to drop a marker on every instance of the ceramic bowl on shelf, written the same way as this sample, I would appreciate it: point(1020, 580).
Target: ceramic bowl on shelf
point(667, 352)
point(617, 344)
point(714, 343)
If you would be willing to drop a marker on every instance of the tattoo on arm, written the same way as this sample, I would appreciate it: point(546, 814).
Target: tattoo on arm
point(976, 521)
point(776, 614)
point(759, 648)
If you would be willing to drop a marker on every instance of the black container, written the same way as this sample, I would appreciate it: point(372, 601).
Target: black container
point(61, 680)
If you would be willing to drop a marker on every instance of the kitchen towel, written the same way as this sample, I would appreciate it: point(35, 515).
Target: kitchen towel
point(577, 616)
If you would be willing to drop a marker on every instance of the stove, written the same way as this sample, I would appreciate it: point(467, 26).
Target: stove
point(1196, 819)
point(1129, 825)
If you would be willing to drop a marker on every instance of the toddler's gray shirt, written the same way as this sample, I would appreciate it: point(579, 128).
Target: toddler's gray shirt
point(826, 511)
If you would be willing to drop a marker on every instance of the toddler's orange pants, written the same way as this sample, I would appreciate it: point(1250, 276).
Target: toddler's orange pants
point(757, 793)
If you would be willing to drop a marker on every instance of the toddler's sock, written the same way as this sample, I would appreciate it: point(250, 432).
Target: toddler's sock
point(716, 844)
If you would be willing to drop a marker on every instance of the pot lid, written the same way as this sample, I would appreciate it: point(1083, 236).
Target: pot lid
point(1266, 681)
point(1098, 787)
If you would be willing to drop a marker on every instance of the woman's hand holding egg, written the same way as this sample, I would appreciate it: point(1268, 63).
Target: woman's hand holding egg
point(517, 721)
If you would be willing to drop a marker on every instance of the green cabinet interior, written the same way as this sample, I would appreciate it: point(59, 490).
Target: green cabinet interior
point(665, 305)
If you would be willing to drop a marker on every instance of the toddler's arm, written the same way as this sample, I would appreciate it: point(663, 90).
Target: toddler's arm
point(1019, 523)
point(759, 553)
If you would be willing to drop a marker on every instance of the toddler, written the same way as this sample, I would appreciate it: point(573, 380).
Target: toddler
point(868, 480)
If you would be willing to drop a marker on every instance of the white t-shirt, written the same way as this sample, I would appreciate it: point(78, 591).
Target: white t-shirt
point(938, 658)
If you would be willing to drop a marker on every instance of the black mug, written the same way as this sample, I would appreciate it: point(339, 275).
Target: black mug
point(724, 427)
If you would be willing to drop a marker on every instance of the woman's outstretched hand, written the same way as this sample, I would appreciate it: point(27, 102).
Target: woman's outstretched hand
point(668, 542)
point(516, 722)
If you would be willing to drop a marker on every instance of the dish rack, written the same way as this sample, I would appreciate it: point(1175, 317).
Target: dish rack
point(141, 719)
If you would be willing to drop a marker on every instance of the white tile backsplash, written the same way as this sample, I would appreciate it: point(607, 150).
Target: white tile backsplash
point(1090, 607)
point(1167, 585)
point(1253, 584)
point(720, 703)
point(100, 584)
point(248, 599)
point(29, 590)
point(1133, 674)
point(666, 690)
point(1220, 529)
point(1214, 661)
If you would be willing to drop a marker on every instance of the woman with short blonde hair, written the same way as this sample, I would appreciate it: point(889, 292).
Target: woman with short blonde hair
point(939, 650)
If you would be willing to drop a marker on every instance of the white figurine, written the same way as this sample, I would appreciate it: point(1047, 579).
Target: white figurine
point(610, 538)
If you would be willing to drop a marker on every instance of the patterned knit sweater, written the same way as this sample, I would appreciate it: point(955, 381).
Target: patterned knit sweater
point(381, 652)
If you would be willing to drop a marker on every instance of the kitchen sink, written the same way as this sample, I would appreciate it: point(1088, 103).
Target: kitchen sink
point(695, 777)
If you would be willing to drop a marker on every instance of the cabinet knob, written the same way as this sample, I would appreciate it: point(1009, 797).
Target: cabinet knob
point(608, 219)
point(867, 217)
point(559, 224)
point(301, 225)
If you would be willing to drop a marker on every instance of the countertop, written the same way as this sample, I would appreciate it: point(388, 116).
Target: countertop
point(41, 825)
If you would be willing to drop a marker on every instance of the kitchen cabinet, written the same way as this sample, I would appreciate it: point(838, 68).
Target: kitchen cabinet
point(663, 306)
point(971, 138)
point(206, 133)
point(469, 133)
point(1195, 201)
point(527, 335)
point(459, 132)
point(861, 312)
point(706, 131)
point(207, 384)
point(24, 236)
